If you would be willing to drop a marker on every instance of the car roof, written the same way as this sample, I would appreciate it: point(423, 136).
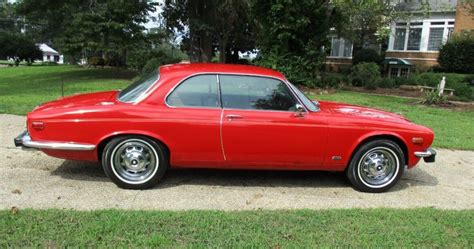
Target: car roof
point(196, 68)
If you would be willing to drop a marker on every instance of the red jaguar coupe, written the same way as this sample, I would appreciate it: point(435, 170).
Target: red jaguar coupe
point(226, 117)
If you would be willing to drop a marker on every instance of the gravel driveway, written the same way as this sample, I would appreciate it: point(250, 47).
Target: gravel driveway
point(33, 180)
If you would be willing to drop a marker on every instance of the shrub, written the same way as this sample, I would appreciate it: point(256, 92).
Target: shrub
point(457, 55)
point(433, 79)
point(333, 80)
point(458, 82)
point(345, 69)
point(114, 61)
point(155, 63)
point(299, 70)
point(463, 92)
point(96, 61)
point(388, 83)
point(366, 55)
point(138, 58)
point(151, 65)
point(366, 75)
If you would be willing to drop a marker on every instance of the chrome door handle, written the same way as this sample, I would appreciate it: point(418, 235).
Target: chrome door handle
point(233, 116)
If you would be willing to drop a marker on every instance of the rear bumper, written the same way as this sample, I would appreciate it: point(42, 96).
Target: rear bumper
point(24, 140)
point(428, 156)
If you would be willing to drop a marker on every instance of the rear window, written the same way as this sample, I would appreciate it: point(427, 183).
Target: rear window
point(138, 88)
point(197, 91)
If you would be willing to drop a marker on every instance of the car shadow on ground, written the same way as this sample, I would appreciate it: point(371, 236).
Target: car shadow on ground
point(87, 171)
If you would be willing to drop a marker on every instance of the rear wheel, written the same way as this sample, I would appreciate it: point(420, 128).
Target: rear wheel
point(376, 166)
point(134, 162)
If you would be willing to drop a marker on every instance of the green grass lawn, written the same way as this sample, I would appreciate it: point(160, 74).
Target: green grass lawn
point(425, 228)
point(22, 88)
point(453, 129)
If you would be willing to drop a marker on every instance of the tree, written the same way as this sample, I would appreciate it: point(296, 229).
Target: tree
point(109, 28)
point(457, 55)
point(208, 26)
point(362, 20)
point(19, 47)
point(9, 20)
point(158, 47)
point(291, 36)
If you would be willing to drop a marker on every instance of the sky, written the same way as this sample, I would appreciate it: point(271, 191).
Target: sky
point(153, 24)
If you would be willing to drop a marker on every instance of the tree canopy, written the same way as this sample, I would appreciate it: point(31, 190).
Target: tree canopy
point(292, 36)
point(362, 20)
point(106, 27)
point(208, 26)
point(18, 47)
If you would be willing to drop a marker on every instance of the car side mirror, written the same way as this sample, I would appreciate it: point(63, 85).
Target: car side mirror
point(300, 110)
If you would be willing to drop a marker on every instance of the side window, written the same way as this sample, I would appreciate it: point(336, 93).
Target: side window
point(257, 93)
point(197, 91)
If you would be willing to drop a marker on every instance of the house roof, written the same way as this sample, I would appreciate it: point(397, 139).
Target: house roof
point(428, 5)
point(47, 49)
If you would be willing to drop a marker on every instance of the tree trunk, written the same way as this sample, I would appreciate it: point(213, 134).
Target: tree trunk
point(206, 47)
point(223, 50)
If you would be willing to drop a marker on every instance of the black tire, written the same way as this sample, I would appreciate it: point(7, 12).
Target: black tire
point(135, 162)
point(376, 166)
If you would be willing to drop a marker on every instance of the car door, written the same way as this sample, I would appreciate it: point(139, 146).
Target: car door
point(194, 122)
point(262, 128)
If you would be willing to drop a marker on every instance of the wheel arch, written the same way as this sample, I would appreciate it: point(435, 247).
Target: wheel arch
point(106, 139)
point(378, 136)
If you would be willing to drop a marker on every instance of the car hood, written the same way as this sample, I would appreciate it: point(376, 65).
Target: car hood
point(354, 111)
point(80, 100)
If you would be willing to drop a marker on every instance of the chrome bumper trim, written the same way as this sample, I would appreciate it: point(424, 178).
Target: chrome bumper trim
point(428, 156)
point(24, 140)
point(427, 153)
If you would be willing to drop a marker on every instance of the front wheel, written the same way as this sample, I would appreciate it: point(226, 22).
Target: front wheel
point(376, 166)
point(134, 162)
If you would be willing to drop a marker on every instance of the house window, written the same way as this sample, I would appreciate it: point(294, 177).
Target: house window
point(347, 48)
point(421, 36)
point(414, 39)
point(404, 72)
point(341, 47)
point(436, 38)
point(397, 71)
point(335, 44)
point(399, 43)
point(394, 72)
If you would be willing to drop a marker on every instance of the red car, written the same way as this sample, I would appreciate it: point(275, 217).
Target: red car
point(226, 117)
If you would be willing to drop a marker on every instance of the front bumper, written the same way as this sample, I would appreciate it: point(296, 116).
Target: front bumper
point(428, 156)
point(24, 140)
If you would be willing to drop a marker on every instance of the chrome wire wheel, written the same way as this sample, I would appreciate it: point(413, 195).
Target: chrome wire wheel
point(378, 167)
point(134, 161)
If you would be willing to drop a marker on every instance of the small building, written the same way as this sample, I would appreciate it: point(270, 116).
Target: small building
point(50, 55)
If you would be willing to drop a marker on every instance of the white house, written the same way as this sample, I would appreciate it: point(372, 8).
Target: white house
point(50, 55)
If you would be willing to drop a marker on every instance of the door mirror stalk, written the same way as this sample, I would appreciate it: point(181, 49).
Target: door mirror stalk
point(300, 110)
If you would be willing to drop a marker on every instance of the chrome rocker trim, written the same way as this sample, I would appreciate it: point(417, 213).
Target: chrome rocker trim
point(428, 155)
point(24, 141)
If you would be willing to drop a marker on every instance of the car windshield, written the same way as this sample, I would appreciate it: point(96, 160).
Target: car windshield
point(311, 105)
point(137, 88)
